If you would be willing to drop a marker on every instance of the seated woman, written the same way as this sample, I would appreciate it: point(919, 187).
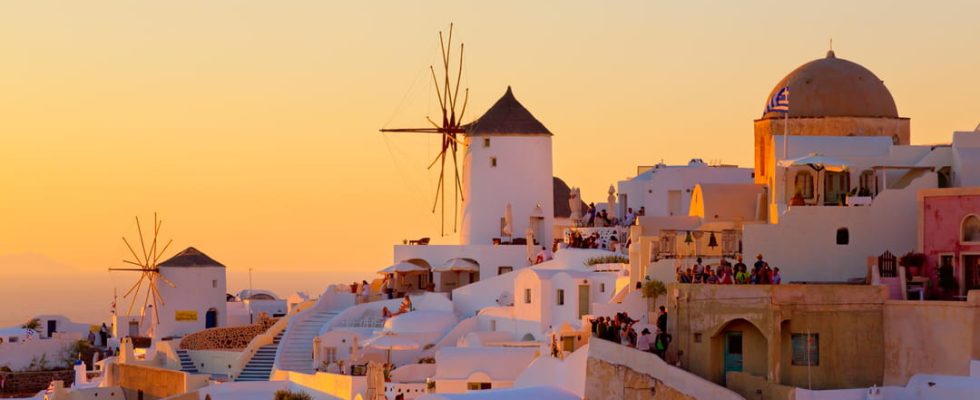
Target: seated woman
point(404, 308)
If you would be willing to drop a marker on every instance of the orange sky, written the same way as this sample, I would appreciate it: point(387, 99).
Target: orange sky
point(252, 128)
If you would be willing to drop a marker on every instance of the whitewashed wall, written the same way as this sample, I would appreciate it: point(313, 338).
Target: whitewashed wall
point(521, 177)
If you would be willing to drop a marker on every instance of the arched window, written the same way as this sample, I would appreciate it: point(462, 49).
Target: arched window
point(843, 236)
point(804, 184)
point(970, 230)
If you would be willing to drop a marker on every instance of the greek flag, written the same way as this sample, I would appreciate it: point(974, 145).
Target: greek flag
point(779, 102)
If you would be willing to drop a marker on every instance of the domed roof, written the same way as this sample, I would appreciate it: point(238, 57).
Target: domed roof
point(835, 87)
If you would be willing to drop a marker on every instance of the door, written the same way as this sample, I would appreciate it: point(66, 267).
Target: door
point(583, 300)
point(836, 186)
point(134, 328)
point(674, 202)
point(52, 327)
point(211, 319)
point(568, 343)
point(971, 272)
point(733, 353)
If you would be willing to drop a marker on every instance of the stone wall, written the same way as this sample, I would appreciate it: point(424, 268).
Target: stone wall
point(235, 338)
point(614, 371)
point(32, 382)
point(612, 381)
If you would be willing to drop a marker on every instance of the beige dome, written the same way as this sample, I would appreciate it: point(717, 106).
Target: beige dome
point(834, 87)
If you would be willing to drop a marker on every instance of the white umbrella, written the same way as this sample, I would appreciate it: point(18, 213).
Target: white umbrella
point(389, 342)
point(508, 229)
point(531, 250)
point(818, 162)
point(401, 267)
point(611, 203)
point(457, 265)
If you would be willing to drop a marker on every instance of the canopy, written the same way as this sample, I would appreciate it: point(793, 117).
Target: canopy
point(458, 265)
point(818, 162)
point(401, 267)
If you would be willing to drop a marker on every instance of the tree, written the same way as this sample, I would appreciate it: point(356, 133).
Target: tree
point(33, 324)
point(653, 289)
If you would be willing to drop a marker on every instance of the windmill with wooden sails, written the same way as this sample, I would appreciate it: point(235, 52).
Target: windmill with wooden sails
point(506, 159)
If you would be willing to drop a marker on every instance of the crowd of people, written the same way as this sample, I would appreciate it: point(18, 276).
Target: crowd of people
point(727, 274)
point(596, 218)
point(620, 328)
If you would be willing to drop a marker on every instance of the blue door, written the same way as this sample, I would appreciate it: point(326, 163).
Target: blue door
point(211, 318)
point(733, 353)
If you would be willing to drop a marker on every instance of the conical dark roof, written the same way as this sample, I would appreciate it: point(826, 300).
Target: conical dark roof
point(190, 257)
point(507, 117)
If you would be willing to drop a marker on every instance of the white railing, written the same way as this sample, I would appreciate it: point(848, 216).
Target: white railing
point(361, 323)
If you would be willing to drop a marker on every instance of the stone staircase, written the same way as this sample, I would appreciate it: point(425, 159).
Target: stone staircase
point(186, 364)
point(260, 366)
point(295, 353)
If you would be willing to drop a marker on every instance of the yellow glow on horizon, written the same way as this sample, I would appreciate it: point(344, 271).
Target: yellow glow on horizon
point(252, 128)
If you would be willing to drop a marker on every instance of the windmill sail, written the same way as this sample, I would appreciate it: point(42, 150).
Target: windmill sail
point(453, 108)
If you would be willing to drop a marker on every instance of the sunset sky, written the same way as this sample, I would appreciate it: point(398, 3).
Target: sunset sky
point(252, 127)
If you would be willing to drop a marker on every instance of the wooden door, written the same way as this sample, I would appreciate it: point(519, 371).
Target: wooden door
point(583, 300)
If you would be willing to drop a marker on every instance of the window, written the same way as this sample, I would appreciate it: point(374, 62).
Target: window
point(214, 283)
point(970, 231)
point(477, 385)
point(14, 339)
point(504, 269)
point(493, 162)
point(527, 296)
point(486, 142)
point(806, 349)
point(329, 355)
point(561, 297)
point(493, 325)
point(843, 236)
point(804, 184)
point(602, 288)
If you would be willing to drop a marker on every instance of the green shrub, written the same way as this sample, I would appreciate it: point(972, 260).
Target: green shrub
point(291, 395)
point(615, 259)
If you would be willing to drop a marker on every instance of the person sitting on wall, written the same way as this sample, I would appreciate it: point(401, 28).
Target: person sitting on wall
point(797, 199)
point(404, 308)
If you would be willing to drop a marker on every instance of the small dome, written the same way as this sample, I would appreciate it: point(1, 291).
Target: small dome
point(835, 87)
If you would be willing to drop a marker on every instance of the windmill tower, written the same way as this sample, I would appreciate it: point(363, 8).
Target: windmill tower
point(181, 295)
point(507, 160)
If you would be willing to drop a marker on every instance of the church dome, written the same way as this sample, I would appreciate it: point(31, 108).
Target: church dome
point(835, 87)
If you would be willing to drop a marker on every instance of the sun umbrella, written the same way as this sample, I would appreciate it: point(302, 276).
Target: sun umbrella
point(818, 162)
point(401, 267)
point(458, 265)
point(389, 342)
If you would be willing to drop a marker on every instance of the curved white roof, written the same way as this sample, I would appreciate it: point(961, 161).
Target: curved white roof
point(499, 363)
point(421, 321)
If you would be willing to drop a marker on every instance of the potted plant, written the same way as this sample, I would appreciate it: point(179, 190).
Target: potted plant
point(913, 263)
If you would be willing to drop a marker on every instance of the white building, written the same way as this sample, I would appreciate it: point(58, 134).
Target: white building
point(198, 299)
point(462, 369)
point(507, 161)
point(666, 190)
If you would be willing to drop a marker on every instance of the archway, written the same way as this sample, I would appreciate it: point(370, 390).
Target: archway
point(738, 346)
point(211, 318)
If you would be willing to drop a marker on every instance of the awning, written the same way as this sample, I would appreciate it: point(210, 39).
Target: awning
point(458, 265)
